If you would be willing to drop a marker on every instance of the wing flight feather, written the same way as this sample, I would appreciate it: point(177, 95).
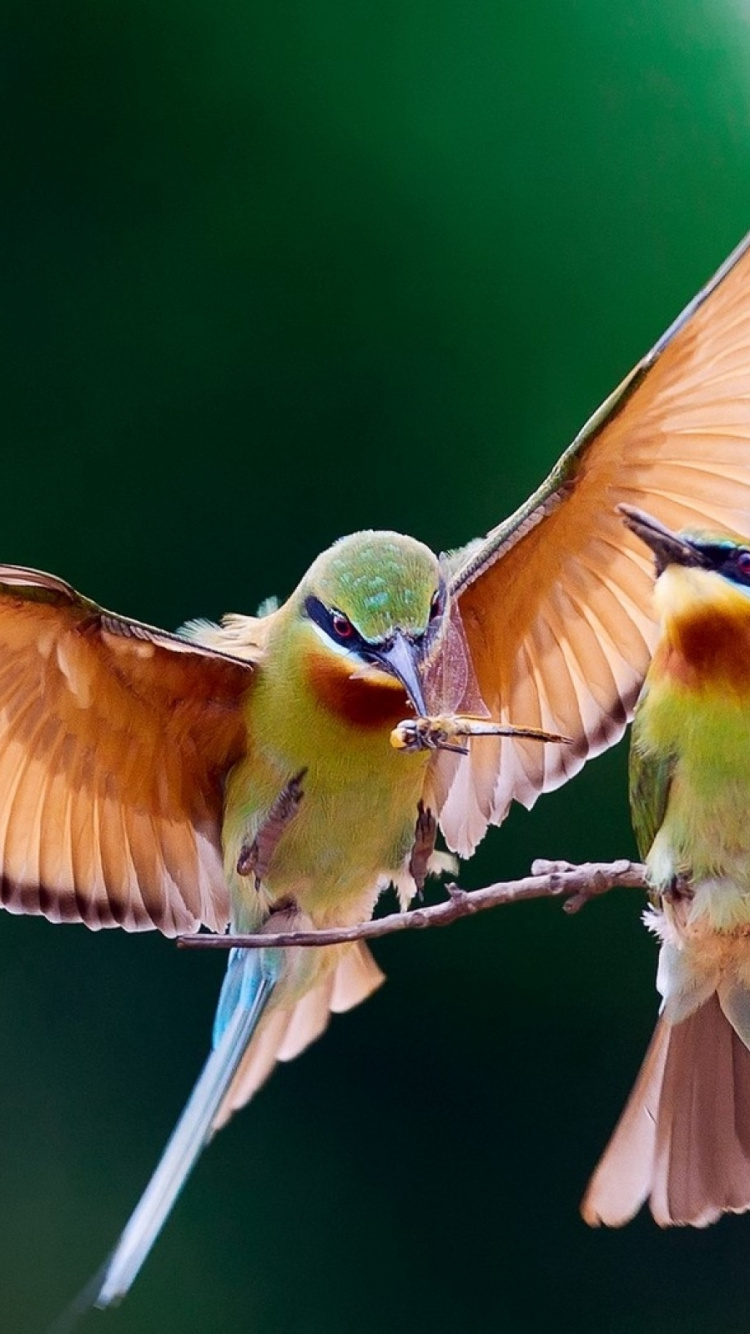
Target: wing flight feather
point(115, 739)
point(556, 602)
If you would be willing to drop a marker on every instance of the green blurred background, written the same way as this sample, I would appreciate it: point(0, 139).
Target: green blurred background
point(273, 271)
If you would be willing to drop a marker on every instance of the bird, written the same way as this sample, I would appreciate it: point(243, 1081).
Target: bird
point(683, 1140)
point(277, 771)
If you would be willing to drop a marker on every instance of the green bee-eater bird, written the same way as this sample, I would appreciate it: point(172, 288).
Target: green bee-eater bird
point(683, 1141)
point(234, 772)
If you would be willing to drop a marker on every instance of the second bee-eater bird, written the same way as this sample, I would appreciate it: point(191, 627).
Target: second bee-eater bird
point(683, 1141)
point(244, 773)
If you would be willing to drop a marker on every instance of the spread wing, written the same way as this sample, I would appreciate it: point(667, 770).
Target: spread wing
point(556, 601)
point(114, 742)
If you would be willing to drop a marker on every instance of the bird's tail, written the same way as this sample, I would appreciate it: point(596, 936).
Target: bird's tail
point(683, 1140)
point(284, 1033)
point(245, 1048)
point(248, 984)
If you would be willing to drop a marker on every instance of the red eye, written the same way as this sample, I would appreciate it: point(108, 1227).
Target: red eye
point(342, 625)
point(742, 562)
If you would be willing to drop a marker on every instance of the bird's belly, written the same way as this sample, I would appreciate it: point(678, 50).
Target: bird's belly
point(353, 829)
point(705, 834)
point(342, 844)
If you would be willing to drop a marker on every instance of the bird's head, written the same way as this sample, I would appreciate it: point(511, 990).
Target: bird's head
point(720, 553)
point(370, 609)
point(703, 583)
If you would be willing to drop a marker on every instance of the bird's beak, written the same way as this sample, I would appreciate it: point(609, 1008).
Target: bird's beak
point(669, 548)
point(400, 658)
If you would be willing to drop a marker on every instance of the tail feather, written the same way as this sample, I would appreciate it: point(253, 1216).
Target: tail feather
point(622, 1180)
point(285, 1033)
point(356, 977)
point(742, 1096)
point(257, 1064)
point(250, 980)
point(734, 1000)
point(701, 1168)
point(683, 1140)
point(246, 1048)
point(308, 1020)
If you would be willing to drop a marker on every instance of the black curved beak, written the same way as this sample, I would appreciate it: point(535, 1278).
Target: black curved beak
point(669, 548)
point(400, 657)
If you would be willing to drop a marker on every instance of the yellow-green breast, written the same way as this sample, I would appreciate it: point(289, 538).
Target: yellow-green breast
point(356, 821)
point(697, 711)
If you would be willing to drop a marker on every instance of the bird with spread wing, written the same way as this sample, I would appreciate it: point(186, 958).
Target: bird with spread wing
point(259, 771)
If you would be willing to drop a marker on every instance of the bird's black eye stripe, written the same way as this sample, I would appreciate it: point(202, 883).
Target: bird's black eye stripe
point(716, 555)
point(740, 565)
point(725, 558)
point(437, 605)
point(328, 618)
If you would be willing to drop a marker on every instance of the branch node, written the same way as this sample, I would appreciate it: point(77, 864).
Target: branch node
point(455, 893)
point(543, 867)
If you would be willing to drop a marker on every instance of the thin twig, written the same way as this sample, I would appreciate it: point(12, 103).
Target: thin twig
point(548, 880)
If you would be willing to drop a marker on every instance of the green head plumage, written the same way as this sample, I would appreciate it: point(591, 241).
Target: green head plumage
point(377, 598)
point(381, 581)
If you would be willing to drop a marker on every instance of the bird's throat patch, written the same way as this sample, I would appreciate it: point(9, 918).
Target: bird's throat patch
point(375, 702)
point(708, 648)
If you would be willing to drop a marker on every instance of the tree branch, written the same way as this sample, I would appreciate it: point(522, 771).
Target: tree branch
point(548, 880)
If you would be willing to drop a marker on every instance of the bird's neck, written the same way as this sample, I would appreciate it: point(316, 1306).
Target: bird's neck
point(308, 696)
point(705, 640)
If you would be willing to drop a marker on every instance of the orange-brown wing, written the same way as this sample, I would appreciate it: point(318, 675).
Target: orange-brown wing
point(556, 602)
point(114, 742)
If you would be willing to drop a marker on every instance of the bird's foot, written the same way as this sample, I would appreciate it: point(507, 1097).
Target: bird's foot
point(425, 832)
point(255, 858)
point(286, 904)
point(677, 891)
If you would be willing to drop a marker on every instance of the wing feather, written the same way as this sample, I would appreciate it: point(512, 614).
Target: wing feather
point(556, 602)
point(115, 739)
